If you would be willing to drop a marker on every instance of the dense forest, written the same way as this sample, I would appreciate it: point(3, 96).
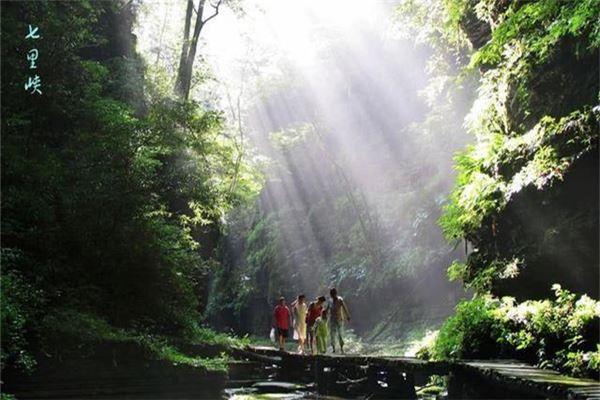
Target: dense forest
point(113, 188)
point(441, 170)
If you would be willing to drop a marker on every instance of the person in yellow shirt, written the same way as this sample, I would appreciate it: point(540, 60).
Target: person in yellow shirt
point(321, 332)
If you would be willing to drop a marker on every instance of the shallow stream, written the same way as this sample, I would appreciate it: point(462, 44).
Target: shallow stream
point(250, 380)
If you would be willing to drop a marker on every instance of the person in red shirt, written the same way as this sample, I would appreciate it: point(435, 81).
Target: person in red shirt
point(314, 312)
point(282, 322)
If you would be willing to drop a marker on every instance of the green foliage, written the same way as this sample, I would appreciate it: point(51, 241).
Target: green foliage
point(238, 293)
point(594, 359)
point(468, 333)
point(203, 334)
point(456, 270)
point(71, 331)
point(18, 303)
point(433, 22)
point(543, 155)
point(538, 158)
point(557, 334)
point(533, 116)
point(561, 332)
point(69, 324)
point(111, 200)
point(161, 349)
point(541, 24)
point(523, 139)
point(523, 142)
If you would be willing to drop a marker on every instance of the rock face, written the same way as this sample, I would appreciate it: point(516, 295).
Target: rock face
point(118, 52)
point(527, 201)
point(477, 31)
point(557, 229)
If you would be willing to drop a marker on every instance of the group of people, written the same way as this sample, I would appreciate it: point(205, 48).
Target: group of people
point(319, 322)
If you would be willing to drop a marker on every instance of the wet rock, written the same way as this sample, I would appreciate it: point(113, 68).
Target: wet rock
point(277, 387)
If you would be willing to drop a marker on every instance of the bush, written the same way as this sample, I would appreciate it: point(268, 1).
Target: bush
point(18, 302)
point(560, 334)
point(469, 333)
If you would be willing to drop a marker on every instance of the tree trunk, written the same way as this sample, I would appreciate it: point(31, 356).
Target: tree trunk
point(189, 47)
point(179, 86)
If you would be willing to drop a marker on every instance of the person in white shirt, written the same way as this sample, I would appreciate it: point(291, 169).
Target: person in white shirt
point(299, 311)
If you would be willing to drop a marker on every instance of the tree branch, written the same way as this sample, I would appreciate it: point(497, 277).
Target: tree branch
point(216, 8)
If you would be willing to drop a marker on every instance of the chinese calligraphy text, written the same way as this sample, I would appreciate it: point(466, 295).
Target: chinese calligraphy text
point(34, 83)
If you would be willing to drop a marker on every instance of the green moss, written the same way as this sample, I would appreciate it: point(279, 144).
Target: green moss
point(165, 351)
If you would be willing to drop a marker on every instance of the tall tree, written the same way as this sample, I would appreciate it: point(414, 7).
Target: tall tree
point(190, 44)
